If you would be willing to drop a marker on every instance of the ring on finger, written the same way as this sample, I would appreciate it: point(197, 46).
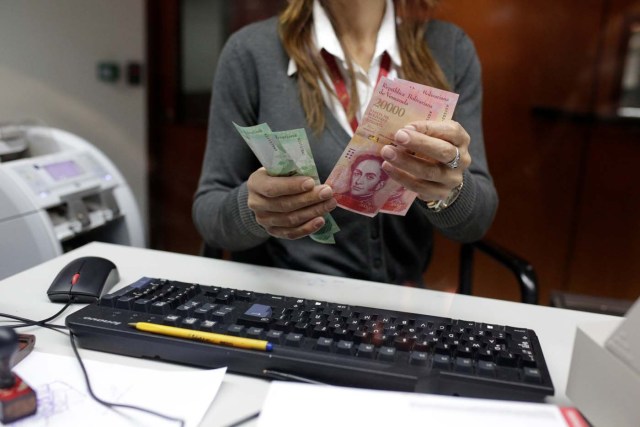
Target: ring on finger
point(453, 164)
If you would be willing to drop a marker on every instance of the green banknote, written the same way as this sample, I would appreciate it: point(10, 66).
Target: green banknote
point(287, 153)
point(264, 145)
point(296, 145)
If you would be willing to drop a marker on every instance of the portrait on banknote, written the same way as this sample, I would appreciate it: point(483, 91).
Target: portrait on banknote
point(366, 180)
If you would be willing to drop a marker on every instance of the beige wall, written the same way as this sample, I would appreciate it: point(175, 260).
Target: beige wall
point(49, 52)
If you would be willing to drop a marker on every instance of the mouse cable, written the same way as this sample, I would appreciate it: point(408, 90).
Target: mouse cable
point(29, 322)
point(245, 420)
point(112, 405)
point(59, 328)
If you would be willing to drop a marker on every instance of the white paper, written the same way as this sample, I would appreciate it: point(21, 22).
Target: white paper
point(63, 399)
point(296, 404)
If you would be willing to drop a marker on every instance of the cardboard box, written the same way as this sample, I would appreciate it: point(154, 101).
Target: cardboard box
point(601, 385)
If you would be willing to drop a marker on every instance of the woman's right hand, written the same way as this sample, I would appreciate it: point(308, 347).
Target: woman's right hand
point(288, 207)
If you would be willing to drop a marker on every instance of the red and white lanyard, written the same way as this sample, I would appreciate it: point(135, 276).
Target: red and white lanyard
point(340, 86)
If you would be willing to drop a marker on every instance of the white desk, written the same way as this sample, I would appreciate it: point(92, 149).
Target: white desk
point(25, 295)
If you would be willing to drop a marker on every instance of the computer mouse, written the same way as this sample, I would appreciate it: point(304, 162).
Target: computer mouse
point(84, 280)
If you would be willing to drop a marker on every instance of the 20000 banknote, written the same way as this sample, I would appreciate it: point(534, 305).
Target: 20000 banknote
point(394, 104)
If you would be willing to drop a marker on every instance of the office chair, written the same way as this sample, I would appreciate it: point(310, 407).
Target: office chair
point(524, 273)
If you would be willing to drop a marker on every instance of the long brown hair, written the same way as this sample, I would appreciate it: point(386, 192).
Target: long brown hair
point(418, 64)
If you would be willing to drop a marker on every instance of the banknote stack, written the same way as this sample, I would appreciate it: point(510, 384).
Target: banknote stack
point(287, 153)
point(358, 182)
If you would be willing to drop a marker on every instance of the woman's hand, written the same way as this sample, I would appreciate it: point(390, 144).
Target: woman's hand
point(419, 161)
point(288, 207)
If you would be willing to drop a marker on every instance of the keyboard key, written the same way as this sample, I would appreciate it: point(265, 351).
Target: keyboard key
point(204, 311)
point(441, 361)
point(276, 337)
point(424, 345)
point(340, 334)
point(293, 340)
point(463, 364)
point(486, 369)
point(187, 308)
point(528, 360)
point(463, 351)
point(223, 314)
point(506, 358)
point(324, 344)
point(387, 354)
point(345, 347)
point(366, 351)
point(272, 300)
point(225, 297)
point(443, 348)
point(255, 333)
point(258, 310)
point(283, 325)
point(244, 296)
point(418, 358)
point(172, 320)
point(491, 328)
point(207, 325)
point(321, 331)
point(125, 302)
point(532, 375)
point(260, 322)
point(235, 330)
point(142, 305)
point(160, 307)
point(108, 300)
point(361, 337)
point(189, 323)
point(303, 328)
point(402, 343)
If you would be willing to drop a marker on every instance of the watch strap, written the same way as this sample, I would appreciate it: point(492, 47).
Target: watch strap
point(439, 205)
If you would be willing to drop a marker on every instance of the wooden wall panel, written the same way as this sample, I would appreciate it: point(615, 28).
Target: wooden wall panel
point(179, 164)
point(529, 60)
point(607, 250)
point(551, 169)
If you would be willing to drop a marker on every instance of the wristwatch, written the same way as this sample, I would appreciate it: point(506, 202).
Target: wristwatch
point(439, 205)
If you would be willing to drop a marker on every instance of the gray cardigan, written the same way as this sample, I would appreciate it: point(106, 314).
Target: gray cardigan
point(251, 86)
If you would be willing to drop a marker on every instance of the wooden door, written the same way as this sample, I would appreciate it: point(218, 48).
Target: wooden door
point(184, 40)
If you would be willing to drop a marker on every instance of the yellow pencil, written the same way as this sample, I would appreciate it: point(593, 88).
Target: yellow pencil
point(246, 343)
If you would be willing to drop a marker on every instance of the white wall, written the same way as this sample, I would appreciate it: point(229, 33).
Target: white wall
point(49, 50)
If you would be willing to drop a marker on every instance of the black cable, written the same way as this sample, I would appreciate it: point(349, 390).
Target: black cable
point(59, 328)
point(112, 405)
point(29, 322)
point(245, 420)
point(277, 375)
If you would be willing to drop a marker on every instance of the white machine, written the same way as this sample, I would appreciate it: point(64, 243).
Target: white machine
point(58, 192)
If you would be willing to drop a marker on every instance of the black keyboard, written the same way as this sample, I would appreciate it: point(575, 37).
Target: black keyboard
point(322, 341)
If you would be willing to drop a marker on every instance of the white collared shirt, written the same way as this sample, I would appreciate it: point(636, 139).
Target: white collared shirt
point(324, 37)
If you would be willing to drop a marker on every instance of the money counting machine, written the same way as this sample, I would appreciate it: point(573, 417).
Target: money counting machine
point(58, 192)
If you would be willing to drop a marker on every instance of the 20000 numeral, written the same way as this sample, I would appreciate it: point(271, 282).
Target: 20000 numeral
point(389, 107)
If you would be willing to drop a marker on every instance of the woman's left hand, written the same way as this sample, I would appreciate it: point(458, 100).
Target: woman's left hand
point(422, 160)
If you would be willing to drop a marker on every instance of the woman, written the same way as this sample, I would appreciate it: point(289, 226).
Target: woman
point(279, 72)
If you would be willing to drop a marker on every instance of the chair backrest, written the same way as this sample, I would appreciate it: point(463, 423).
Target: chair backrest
point(523, 271)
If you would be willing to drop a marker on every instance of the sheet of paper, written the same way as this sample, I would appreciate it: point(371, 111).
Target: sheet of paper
point(63, 399)
point(294, 404)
